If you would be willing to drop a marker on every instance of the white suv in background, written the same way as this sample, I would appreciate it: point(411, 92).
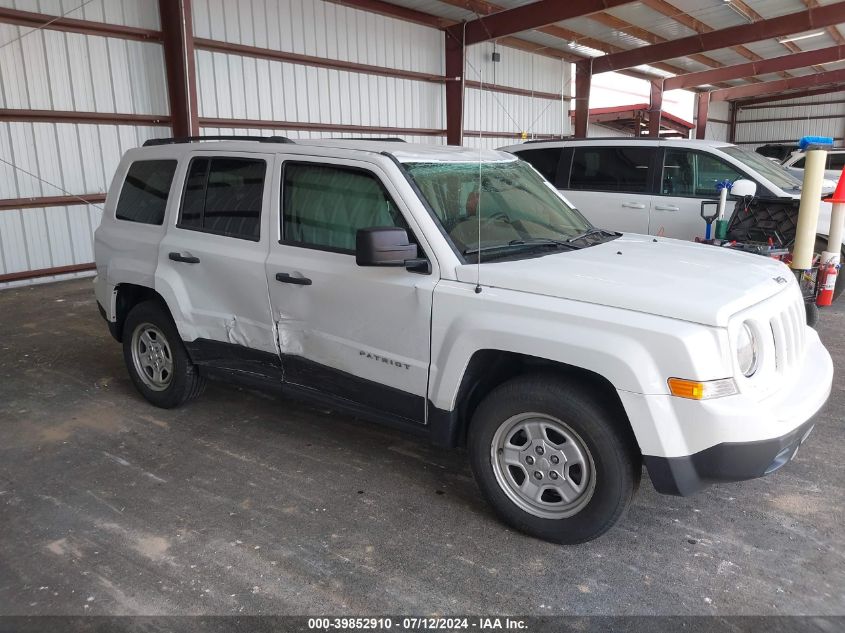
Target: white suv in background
point(834, 164)
point(454, 294)
point(653, 186)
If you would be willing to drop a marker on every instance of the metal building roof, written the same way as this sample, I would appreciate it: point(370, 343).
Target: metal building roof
point(629, 26)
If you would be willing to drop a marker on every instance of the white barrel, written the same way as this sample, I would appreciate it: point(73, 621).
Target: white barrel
point(834, 236)
point(808, 212)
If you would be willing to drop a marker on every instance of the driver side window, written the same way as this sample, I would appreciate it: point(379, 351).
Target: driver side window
point(323, 206)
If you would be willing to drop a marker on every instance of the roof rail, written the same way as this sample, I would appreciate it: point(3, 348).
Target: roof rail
point(644, 139)
point(549, 140)
point(194, 139)
point(384, 139)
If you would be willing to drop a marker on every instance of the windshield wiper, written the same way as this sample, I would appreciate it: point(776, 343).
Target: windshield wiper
point(588, 233)
point(520, 243)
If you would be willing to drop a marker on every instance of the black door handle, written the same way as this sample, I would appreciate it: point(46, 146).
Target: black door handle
point(287, 279)
point(178, 257)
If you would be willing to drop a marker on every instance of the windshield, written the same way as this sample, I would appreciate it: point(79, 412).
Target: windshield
point(519, 211)
point(766, 168)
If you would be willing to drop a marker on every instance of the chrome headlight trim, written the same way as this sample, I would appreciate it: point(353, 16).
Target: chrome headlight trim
point(747, 350)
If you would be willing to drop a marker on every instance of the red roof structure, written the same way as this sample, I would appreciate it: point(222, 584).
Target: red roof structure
point(633, 119)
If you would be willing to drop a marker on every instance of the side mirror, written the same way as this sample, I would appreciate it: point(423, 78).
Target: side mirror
point(383, 246)
point(744, 188)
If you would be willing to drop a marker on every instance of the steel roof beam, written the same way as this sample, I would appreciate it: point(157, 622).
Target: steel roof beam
point(780, 86)
point(762, 67)
point(770, 99)
point(531, 16)
point(812, 18)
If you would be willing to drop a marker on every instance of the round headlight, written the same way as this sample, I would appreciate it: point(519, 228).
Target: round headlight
point(746, 350)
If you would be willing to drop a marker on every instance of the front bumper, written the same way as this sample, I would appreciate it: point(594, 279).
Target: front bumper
point(724, 462)
point(688, 444)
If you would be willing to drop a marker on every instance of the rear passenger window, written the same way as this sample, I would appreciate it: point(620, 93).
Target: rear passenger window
point(611, 169)
point(143, 197)
point(223, 196)
point(544, 160)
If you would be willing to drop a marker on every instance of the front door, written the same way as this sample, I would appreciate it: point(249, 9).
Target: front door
point(213, 257)
point(688, 178)
point(358, 334)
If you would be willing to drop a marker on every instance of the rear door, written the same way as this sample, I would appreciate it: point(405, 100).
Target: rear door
point(688, 177)
point(612, 185)
point(212, 257)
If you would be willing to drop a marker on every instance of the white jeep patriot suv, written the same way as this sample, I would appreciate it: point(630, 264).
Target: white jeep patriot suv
point(454, 293)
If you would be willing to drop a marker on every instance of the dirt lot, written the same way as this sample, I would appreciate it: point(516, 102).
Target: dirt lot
point(245, 503)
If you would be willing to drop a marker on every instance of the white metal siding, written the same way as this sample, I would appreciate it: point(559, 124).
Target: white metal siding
point(513, 114)
point(752, 132)
point(52, 70)
point(73, 158)
point(77, 159)
point(717, 131)
point(518, 69)
point(598, 130)
point(138, 13)
point(237, 87)
point(516, 114)
point(322, 29)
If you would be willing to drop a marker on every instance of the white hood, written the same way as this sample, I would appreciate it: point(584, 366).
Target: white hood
point(665, 277)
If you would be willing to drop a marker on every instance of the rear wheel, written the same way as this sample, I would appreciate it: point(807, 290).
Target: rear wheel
point(156, 358)
point(552, 460)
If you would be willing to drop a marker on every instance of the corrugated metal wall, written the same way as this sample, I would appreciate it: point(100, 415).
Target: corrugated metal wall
point(238, 92)
point(515, 114)
point(232, 86)
point(595, 130)
point(140, 13)
point(235, 86)
point(70, 72)
point(819, 115)
point(718, 121)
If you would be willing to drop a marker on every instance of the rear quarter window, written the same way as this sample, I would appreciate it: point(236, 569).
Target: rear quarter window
point(143, 197)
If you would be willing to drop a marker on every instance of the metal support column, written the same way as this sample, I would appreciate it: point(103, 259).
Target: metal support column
point(655, 108)
point(455, 61)
point(702, 105)
point(583, 79)
point(178, 32)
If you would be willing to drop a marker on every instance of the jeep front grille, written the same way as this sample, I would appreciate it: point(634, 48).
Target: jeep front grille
point(789, 332)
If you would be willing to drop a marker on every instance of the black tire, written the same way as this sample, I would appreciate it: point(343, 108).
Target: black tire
point(821, 245)
point(605, 433)
point(184, 382)
point(812, 311)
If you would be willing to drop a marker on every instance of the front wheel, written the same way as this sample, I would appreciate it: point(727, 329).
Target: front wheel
point(552, 460)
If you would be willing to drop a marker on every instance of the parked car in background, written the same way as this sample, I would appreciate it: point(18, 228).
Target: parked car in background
point(777, 151)
point(655, 186)
point(794, 164)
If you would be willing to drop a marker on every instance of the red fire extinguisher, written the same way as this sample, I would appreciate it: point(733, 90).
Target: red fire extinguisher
point(827, 282)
